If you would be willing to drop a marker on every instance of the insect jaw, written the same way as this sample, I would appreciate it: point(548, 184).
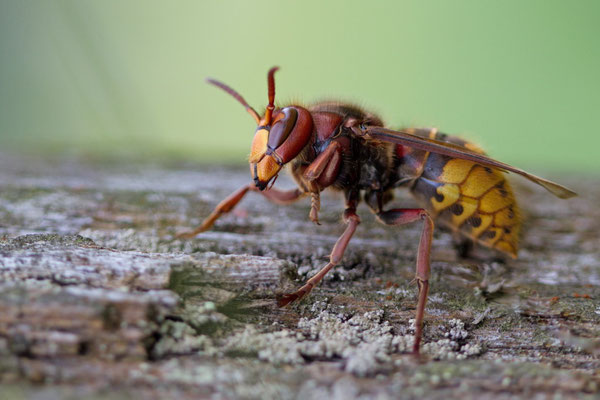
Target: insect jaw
point(265, 171)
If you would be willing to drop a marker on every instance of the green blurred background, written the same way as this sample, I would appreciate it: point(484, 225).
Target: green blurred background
point(126, 78)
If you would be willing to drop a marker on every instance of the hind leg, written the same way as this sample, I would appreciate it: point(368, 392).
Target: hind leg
point(401, 216)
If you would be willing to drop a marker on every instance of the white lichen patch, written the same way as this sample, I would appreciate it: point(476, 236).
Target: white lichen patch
point(363, 343)
point(453, 346)
point(436, 298)
point(179, 338)
point(338, 273)
point(456, 330)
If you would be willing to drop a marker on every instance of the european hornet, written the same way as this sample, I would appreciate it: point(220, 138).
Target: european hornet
point(340, 146)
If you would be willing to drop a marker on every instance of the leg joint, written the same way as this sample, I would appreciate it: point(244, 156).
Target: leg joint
point(351, 216)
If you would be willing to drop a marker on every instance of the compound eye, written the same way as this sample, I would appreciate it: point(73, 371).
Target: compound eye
point(282, 128)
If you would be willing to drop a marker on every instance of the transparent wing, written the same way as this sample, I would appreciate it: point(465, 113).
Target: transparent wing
point(449, 149)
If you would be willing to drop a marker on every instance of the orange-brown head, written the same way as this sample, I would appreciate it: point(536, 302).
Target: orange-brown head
point(281, 134)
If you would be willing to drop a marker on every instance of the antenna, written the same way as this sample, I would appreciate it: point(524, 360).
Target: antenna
point(236, 96)
point(271, 105)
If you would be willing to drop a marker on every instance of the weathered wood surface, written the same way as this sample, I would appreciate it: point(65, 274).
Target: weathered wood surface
point(98, 300)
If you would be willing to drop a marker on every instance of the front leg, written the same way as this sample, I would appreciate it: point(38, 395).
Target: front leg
point(315, 206)
point(225, 206)
point(322, 173)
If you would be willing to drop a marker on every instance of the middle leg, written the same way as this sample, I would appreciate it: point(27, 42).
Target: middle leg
point(352, 220)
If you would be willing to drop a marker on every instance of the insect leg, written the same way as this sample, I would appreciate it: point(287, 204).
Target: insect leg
point(282, 197)
point(321, 173)
point(315, 206)
point(323, 160)
point(225, 206)
point(352, 220)
point(401, 216)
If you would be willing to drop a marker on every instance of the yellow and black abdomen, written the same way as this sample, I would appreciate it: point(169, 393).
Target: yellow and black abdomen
point(471, 199)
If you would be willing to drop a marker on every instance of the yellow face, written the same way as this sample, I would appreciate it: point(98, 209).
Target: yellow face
point(259, 145)
point(263, 167)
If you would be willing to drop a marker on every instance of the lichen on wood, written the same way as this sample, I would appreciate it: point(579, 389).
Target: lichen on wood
point(97, 296)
